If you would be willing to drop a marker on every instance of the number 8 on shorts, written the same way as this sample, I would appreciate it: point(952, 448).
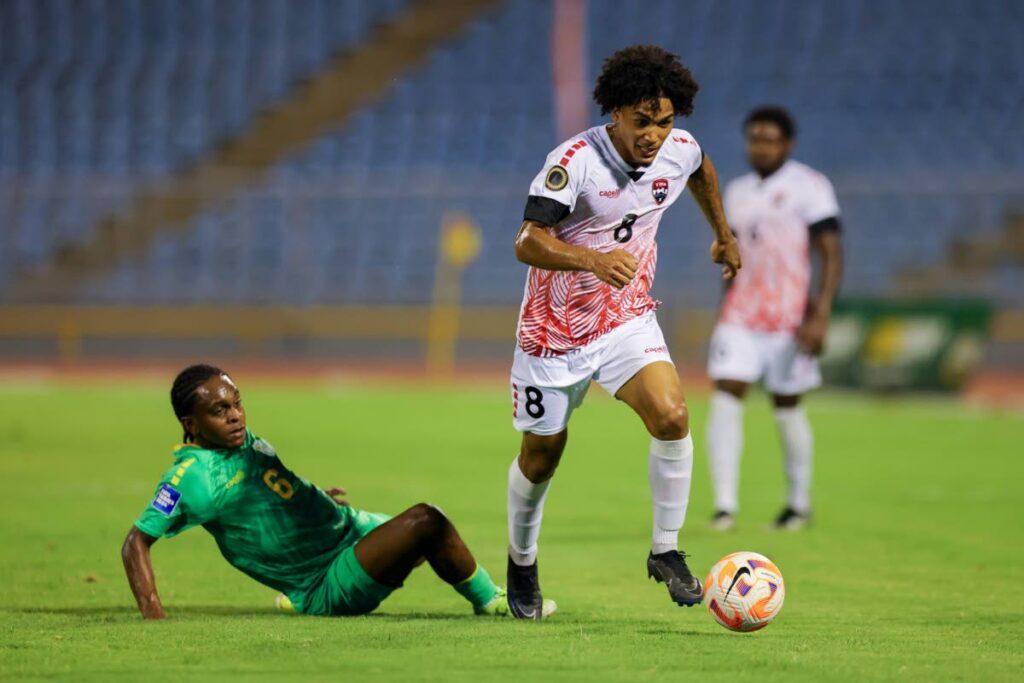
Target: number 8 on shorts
point(545, 410)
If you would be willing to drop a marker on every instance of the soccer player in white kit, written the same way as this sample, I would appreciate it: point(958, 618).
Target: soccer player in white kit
point(770, 329)
point(588, 236)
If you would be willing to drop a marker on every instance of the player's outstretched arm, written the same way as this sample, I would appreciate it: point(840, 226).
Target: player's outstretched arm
point(537, 247)
point(137, 565)
point(704, 187)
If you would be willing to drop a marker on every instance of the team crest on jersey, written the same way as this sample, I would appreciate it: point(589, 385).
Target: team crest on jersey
point(557, 178)
point(261, 446)
point(659, 188)
point(166, 499)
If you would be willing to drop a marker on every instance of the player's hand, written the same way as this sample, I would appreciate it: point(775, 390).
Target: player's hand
point(617, 267)
point(336, 494)
point(810, 336)
point(728, 254)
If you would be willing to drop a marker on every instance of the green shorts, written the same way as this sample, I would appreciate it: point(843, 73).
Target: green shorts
point(346, 589)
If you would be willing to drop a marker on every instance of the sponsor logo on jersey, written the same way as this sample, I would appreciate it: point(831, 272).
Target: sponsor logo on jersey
point(557, 178)
point(239, 476)
point(166, 499)
point(610, 194)
point(656, 349)
point(659, 188)
point(263, 447)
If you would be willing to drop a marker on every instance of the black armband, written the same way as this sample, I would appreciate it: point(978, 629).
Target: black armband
point(544, 210)
point(823, 226)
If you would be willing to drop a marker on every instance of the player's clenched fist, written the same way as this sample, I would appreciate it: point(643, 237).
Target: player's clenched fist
point(617, 267)
point(728, 254)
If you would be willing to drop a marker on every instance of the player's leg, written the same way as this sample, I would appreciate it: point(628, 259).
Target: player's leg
point(655, 394)
point(798, 455)
point(734, 362)
point(390, 552)
point(790, 374)
point(638, 370)
point(541, 412)
point(725, 446)
point(529, 478)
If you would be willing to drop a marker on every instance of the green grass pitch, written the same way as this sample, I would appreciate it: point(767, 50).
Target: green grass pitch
point(913, 570)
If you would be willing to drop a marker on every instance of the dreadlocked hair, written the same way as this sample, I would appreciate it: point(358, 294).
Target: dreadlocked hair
point(183, 391)
point(645, 73)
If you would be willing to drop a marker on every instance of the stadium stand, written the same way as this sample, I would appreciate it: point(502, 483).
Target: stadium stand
point(914, 139)
point(101, 97)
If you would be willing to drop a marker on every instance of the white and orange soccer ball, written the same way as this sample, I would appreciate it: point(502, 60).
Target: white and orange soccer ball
point(744, 591)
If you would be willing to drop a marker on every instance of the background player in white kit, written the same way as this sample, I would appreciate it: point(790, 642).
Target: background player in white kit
point(588, 235)
point(769, 329)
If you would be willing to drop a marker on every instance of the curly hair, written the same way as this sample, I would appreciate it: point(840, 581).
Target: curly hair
point(773, 114)
point(183, 392)
point(645, 73)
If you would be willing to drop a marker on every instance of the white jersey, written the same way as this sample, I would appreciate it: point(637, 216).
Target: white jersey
point(594, 199)
point(771, 218)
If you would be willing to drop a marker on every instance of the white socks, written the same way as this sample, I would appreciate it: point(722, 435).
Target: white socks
point(725, 443)
point(668, 470)
point(798, 448)
point(525, 510)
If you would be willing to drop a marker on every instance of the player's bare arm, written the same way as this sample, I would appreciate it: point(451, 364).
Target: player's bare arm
point(337, 494)
point(139, 568)
point(536, 246)
point(811, 334)
point(725, 250)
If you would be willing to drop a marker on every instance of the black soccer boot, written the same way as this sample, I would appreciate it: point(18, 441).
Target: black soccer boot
point(722, 520)
point(670, 568)
point(524, 598)
point(791, 520)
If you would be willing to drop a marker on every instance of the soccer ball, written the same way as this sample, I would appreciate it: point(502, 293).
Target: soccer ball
point(744, 591)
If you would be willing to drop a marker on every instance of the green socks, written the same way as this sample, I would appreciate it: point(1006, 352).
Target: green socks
point(478, 588)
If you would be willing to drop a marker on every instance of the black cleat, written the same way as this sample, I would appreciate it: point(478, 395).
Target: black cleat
point(524, 598)
point(722, 521)
point(670, 568)
point(791, 520)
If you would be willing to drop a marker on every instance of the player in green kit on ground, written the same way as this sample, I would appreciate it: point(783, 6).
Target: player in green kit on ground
point(325, 557)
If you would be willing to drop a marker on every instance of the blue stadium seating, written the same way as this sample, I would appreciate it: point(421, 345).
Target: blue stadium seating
point(120, 93)
point(908, 107)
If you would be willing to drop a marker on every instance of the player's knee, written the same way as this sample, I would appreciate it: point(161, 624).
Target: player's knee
point(787, 401)
point(427, 518)
point(671, 423)
point(733, 387)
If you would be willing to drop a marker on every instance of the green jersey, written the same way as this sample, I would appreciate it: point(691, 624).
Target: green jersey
point(271, 524)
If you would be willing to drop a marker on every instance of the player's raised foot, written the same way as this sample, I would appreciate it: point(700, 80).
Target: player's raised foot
point(670, 568)
point(283, 603)
point(791, 520)
point(499, 607)
point(524, 598)
point(722, 521)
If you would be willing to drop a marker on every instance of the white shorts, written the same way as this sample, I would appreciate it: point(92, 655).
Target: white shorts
point(545, 391)
point(744, 355)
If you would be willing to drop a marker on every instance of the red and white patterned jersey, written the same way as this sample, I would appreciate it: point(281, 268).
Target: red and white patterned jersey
point(594, 199)
point(771, 218)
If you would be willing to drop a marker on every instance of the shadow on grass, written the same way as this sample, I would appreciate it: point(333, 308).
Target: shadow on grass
point(675, 632)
